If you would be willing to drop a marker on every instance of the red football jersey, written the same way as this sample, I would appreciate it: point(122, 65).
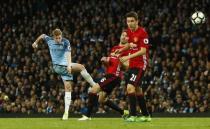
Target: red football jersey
point(114, 63)
point(140, 38)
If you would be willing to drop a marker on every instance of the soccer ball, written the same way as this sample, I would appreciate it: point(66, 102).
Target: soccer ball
point(198, 17)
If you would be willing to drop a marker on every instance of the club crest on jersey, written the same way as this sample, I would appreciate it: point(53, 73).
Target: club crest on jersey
point(146, 41)
point(135, 39)
point(69, 48)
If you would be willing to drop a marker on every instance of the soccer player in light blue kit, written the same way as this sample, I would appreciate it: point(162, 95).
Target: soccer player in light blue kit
point(60, 51)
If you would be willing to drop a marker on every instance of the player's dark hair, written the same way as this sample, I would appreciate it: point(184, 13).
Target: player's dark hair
point(132, 14)
point(124, 30)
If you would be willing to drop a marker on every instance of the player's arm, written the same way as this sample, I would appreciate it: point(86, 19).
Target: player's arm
point(125, 65)
point(126, 47)
point(35, 44)
point(142, 51)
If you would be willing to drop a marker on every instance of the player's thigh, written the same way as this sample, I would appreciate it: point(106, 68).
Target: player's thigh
point(76, 67)
point(67, 80)
point(108, 83)
point(130, 88)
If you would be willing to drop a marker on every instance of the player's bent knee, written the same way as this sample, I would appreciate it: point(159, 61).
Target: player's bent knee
point(81, 67)
point(68, 88)
point(95, 89)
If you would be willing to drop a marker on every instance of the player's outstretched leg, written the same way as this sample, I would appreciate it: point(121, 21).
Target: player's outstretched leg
point(103, 100)
point(92, 101)
point(124, 113)
point(80, 68)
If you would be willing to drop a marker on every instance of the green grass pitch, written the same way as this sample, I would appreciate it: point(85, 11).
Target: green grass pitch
point(103, 123)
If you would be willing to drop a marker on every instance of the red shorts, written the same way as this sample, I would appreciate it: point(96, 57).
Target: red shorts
point(134, 76)
point(109, 82)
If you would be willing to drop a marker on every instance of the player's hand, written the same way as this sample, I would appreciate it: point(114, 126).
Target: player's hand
point(124, 59)
point(117, 52)
point(35, 45)
point(132, 45)
point(69, 68)
point(125, 65)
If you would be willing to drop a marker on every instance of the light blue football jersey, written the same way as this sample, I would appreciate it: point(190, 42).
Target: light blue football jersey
point(58, 50)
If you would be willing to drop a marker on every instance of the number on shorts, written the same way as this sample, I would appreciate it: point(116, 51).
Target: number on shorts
point(133, 78)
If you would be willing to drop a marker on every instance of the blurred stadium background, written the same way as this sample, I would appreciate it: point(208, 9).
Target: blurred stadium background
point(177, 81)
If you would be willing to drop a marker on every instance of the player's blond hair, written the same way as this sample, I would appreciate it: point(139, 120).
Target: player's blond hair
point(57, 32)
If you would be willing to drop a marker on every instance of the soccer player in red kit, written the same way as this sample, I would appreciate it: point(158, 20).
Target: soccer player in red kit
point(138, 61)
point(111, 79)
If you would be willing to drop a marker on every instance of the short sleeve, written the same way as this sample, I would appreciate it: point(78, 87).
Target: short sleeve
point(144, 42)
point(46, 38)
point(68, 46)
